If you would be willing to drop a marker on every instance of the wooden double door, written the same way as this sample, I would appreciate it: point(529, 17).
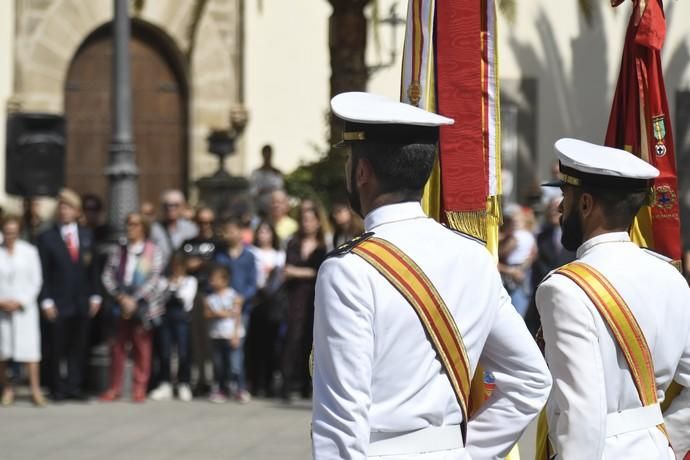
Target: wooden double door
point(159, 116)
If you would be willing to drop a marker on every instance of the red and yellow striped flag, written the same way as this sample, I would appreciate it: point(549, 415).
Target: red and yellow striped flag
point(444, 72)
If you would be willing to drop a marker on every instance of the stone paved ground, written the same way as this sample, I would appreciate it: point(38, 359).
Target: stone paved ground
point(155, 431)
point(261, 430)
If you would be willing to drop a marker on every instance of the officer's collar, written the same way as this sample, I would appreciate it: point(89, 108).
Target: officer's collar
point(391, 213)
point(613, 237)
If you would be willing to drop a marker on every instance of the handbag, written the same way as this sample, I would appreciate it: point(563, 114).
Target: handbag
point(272, 299)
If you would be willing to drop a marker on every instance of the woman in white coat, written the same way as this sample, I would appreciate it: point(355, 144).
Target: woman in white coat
point(20, 283)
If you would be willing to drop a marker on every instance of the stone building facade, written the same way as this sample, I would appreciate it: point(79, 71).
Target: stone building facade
point(558, 74)
point(189, 48)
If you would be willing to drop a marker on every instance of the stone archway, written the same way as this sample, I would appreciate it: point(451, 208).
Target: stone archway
point(159, 114)
point(50, 33)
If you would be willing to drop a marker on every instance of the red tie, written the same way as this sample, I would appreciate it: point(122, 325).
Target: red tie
point(71, 247)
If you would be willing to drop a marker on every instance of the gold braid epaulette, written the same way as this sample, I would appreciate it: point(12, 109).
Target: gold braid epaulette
point(348, 246)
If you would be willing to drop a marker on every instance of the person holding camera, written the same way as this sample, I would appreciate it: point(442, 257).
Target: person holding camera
point(179, 292)
point(132, 279)
point(199, 252)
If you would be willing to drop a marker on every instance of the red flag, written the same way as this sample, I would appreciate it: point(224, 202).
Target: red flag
point(459, 96)
point(450, 66)
point(640, 123)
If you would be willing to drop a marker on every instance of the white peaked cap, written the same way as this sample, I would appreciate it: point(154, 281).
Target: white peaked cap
point(582, 163)
point(602, 161)
point(366, 108)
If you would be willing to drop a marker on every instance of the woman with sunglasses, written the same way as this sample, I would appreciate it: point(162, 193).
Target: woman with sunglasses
point(132, 279)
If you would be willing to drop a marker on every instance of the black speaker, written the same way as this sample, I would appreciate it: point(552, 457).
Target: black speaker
point(35, 154)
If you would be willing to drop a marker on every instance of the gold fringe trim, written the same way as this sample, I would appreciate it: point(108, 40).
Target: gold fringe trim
point(472, 223)
point(478, 223)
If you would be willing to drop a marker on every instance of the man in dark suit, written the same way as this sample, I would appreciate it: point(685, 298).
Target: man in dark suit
point(69, 296)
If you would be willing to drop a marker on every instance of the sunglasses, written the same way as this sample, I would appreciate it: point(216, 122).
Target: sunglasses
point(171, 205)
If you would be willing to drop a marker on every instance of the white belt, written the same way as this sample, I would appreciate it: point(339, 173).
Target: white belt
point(629, 420)
point(432, 439)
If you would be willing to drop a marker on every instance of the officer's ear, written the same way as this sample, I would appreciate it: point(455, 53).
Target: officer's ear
point(365, 172)
point(586, 204)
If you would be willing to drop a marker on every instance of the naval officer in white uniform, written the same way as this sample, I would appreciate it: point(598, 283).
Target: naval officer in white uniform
point(594, 393)
point(379, 389)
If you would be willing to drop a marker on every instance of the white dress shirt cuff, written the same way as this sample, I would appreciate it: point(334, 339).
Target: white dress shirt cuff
point(47, 304)
point(96, 299)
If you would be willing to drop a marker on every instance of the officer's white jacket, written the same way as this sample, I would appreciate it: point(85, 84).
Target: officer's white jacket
point(591, 377)
point(376, 371)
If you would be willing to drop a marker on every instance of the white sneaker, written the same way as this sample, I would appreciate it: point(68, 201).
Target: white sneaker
point(217, 397)
point(164, 392)
point(184, 392)
point(243, 397)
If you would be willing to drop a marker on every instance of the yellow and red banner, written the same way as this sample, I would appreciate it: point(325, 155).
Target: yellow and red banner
point(450, 66)
point(640, 123)
point(444, 72)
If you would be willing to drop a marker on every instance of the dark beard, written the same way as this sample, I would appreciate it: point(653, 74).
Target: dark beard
point(353, 198)
point(572, 235)
point(353, 193)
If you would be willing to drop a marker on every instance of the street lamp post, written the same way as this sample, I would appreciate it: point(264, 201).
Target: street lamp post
point(394, 21)
point(122, 170)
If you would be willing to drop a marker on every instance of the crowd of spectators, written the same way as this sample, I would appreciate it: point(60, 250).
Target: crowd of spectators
point(529, 249)
point(205, 305)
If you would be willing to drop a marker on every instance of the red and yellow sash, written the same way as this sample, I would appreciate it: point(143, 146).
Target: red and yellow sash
point(409, 279)
point(627, 332)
